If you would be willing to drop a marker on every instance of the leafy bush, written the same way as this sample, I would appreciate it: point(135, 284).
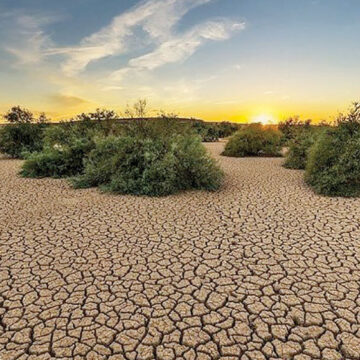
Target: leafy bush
point(254, 140)
point(211, 132)
point(293, 127)
point(65, 147)
point(150, 165)
point(22, 135)
point(58, 162)
point(99, 165)
point(226, 129)
point(153, 158)
point(20, 138)
point(298, 149)
point(207, 131)
point(333, 166)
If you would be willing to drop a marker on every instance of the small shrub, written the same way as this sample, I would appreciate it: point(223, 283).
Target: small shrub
point(254, 140)
point(207, 131)
point(18, 139)
point(299, 147)
point(226, 129)
point(23, 134)
point(58, 162)
point(293, 127)
point(333, 166)
point(65, 148)
point(99, 165)
point(153, 166)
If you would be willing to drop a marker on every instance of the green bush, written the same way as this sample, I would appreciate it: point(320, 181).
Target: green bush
point(155, 157)
point(226, 129)
point(333, 166)
point(254, 140)
point(58, 162)
point(65, 147)
point(17, 139)
point(298, 149)
point(99, 165)
point(293, 127)
point(152, 165)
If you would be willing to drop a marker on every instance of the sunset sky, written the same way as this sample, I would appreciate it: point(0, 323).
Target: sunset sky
point(238, 60)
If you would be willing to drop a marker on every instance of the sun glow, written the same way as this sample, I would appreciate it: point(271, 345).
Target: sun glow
point(264, 119)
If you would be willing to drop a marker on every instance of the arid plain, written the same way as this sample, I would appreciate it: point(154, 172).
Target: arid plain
point(262, 269)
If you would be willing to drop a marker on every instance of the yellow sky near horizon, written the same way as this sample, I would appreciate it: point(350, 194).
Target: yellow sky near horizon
point(235, 112)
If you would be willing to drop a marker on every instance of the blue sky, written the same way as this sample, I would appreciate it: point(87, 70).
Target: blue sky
point(214, 59)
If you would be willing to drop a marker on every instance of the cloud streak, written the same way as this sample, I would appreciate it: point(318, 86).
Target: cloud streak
point(156, 18)
point(150, 26)
point(182, 47)
point(27, 40)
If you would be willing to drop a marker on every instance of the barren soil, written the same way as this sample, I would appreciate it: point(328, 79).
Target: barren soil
point(263, 269)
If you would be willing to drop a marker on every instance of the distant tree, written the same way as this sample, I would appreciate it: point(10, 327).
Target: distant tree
point(138, 110)
point(98, 115)
point(17, 115)
point(43, 119)
point(103, 114)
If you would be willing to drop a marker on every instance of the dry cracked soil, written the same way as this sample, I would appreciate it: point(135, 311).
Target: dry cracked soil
point(263, 269)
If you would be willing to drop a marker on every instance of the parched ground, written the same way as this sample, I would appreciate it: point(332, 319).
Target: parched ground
point(263, 269)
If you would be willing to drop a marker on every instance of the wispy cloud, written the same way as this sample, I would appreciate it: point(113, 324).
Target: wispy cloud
point(178, 48)
point(182, 47)
point(26, 39)
point(155, 17)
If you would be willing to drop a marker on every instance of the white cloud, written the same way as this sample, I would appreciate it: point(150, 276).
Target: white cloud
point(179, 48)
point(155, 17)
point(150, 23)
point(26, 38)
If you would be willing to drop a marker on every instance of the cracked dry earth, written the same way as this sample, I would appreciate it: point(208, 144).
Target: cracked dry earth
point(263, 269)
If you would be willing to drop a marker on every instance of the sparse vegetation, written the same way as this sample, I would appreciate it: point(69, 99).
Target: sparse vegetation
point(23, 134)
point(254, 140)
point(293, 127)
point(211, 132)
point(299, 147)
point(161, 159)
point(152, 157)
point(64, 148)
point(161, 156)
point(333, 166)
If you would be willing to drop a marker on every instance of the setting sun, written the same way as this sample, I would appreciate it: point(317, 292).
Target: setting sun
point(264, 119)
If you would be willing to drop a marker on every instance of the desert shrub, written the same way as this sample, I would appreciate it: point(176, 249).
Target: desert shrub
point(23, 134)
point(299, 147)
point(17, 139)
point(163, 127)
point(59, 161)
point(293, 127)
point(99, 165)
point(254, 140)
point(207, 131)
point(150, 165)
point(333, 166)
point(155, 158)
point(226, 129)
point(65, 147)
